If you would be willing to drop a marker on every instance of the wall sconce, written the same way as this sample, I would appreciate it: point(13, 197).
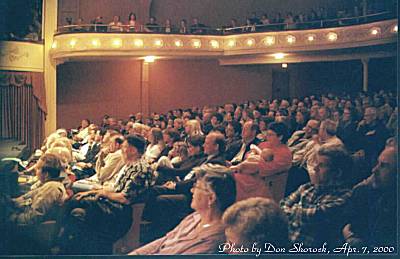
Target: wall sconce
point(231, 43)
point(291, 39)
point(196, 43)
point(375, 31)
point(116, 43)
point(72, 43)
point(311, 38)
point(149, 59)
point(250, 42)
point(158, 43)
point(279, 55)
point(284, 65)
point(214, 44)
point(178, 43)
point(269, 40)
point(95, 43)
point(138, 43)
point(332, 36)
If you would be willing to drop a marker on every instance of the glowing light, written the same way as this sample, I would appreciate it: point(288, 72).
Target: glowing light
point(149, 59)
point(54, 45)
point(196, 43)
point(279, 55)
point(291, 39)
point(250, 42)
point(72, 42)
point(96, 43)
point(311, 38)
point(138, 43)
point(214, 44)
point(284, 65)
point(269, 40)
point(231, 43)
point(375, 31)
point(117, 43)
point(178, 43)
point(332, 36)
point(395, 29)
point(158, 43)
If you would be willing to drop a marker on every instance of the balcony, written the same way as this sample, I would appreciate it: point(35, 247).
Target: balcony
point(371, 38)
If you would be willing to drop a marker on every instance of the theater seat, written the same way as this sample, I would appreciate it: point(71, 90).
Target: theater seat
point(131, 240)
point(276, 183)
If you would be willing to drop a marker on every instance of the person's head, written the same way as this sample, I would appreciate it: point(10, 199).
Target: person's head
point(255, 220)
point(178, 123)
point(385, 170)
point(195, 144)
point(347, 115)
point(63, 154)
point(216, 119)
point(311, 128)
point(193, 127)
point(155, 136)
point(327, 129)
point(323, 113)
point(170, 136)
point(249, 131)
point(116, 143)
point(183, 23)
point(214, 143)
point(132, 17)
point(133, 148)
point(333, 166)
point(48, 167)
point(180, 149)
point(85, 123)
point(370, 115)
point(300, 118)
point(214, 190)
point(277, 133)
point(152, 19)
point(116, 18)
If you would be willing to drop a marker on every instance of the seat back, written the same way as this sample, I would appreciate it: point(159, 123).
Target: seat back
point(131, 240)
point(276, 183)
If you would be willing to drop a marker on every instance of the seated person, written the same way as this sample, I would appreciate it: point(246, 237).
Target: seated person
point(202, 231)
point(317, 211)
point(97, 218)
point(37, 205)
point(106, 166)
point(254, 221)
point(115, 25)
point(156, 145)
point(152, 25)
point(373, 207)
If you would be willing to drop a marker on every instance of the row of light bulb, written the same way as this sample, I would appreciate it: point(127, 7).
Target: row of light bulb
point(196, 43)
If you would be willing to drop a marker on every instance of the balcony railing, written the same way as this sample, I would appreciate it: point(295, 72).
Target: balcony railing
point(327, 23)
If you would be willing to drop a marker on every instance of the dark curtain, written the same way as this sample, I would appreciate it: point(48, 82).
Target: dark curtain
point(22, 107)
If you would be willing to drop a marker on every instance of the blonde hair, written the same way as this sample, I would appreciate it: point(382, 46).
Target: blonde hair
point(194, 128)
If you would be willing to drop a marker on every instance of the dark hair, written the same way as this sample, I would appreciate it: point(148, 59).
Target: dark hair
point(236, 126)
point(51, 165)
point(221, 181)
point(339, 161)
point(196, 140)
point(220, 141)
point(173, 134)
point(138, 142)
point(219, 116)
point(119, 140)
point(280, 129)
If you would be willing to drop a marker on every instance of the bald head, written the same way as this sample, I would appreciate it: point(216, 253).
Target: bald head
point(385, 170)
point(370, 115)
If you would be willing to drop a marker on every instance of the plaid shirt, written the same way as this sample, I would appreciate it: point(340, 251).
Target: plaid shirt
point(316, 214)
point(135, 180)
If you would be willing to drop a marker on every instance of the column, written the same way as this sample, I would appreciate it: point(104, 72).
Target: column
point(365, 74)
point(144, 89)
point(50, 81)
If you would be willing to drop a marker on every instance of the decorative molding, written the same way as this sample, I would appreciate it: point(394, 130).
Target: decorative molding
point(78, 45)
point(21, 56)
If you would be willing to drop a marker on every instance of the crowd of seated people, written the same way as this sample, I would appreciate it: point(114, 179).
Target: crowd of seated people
point(274, 21)
point(313, 170)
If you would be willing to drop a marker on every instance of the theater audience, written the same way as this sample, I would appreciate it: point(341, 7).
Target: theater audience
point(202, 231)
point(255, 221)
point(316, 211)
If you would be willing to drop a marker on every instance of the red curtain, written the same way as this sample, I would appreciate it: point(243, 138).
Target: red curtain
point(22, 107)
